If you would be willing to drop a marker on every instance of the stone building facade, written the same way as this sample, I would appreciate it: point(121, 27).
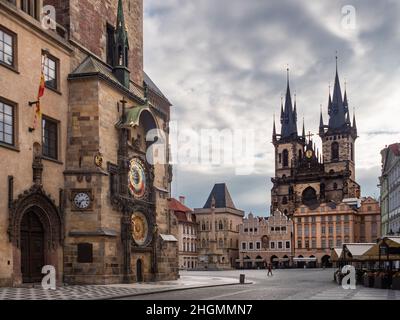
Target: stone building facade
point(187, 233)
point(85, 195)
point(303, 175)
point(264, 241)
point(390, 190)
point(218, 230)
point(318, 230)
point(317, 189)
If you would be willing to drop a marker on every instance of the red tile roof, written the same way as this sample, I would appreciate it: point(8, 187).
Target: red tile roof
point(175, 205)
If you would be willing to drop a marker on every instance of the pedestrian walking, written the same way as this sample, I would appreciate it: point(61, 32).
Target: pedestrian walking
point(270, 270)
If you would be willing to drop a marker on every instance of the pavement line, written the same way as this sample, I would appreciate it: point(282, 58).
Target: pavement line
point(229, 294)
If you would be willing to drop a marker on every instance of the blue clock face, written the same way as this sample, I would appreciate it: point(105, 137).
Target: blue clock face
point(137, 179)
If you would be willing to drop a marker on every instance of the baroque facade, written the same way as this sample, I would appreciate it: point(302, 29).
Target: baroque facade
point(85, 196)
point(390, 190)
point(266, 241)
point(218, 230)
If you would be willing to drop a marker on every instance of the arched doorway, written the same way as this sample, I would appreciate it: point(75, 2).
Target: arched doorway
point(259, 262)
point(300, 264)
point(325, 261)
point(36, 231)
point(139, 270)
point(247, 263)
point(275, 261)
point(286, 261)
point(312, 264)
point(32, 248)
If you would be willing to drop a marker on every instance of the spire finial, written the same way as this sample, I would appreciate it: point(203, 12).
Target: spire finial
point(336, 61)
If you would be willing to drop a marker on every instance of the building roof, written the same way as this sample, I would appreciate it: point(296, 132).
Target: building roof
point(177, 206)
point(150, 83)
point(221, 196)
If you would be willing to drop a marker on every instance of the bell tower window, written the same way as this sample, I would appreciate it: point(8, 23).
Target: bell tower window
point(335, 151)
point(285, 156)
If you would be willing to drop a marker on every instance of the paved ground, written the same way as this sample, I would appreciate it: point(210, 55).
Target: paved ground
point(114, 291)
point(315, 284)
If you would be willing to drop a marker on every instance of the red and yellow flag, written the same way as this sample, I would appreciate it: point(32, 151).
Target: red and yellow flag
point(42, 86)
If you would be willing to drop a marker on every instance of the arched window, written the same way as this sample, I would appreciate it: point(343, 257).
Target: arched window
point(335, 151)
point(285, 156)
point(221, 226)
point(309, 196)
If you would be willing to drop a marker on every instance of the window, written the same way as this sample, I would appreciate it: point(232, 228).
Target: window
point(314, 244)
point(299, 244)
point(323, 229)
point(335, 151)
point(31, 7)
point(285, 155)
point(287, 244)
point(50, 70)
point(331, 229)
point(251, 246)
point(7, 123)
point(7, 48)
point(244, 246)
point(323, 243)
point(299, 230)
point(221, 226)
point(258, 245)
point(110, 44)
point(307, 244)
point(50, 138)
point(280, 245)
point(272, 245)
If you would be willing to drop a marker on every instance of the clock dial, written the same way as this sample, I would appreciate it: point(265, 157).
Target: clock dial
point(137, 179)
point(82, 200)
point(309, 154)
point(140, 228)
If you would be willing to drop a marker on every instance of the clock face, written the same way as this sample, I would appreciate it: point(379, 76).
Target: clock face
point(140, 228)
point(309, 154)
point(82, 200)
point(137, 179)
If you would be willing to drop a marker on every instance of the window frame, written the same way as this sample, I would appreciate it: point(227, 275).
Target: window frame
point(14, 106)
point(58, 142)
point(14, 37)
point(57, 71)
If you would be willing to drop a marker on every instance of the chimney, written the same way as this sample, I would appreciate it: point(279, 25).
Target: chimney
point(182, 199)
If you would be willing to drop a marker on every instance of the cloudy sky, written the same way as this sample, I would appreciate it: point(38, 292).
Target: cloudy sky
point(223, 65)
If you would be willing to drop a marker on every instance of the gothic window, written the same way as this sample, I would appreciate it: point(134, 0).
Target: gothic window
point(352, 151)
point(110, 44)
point(285, 155)
point(335, 151)
point(203, 226)
point(309, 196)
point(221, 226)
point(280, 158)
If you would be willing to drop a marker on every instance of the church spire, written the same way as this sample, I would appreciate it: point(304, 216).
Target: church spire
point(321, 123)
point(289, 115)
point(337, 114)
point(274, 131)
point(304, 131)
point(121, 48)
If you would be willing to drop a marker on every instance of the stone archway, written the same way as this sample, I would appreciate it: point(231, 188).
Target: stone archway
point(35, 217)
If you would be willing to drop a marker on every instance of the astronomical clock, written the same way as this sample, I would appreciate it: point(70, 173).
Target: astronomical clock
point(139, 185)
